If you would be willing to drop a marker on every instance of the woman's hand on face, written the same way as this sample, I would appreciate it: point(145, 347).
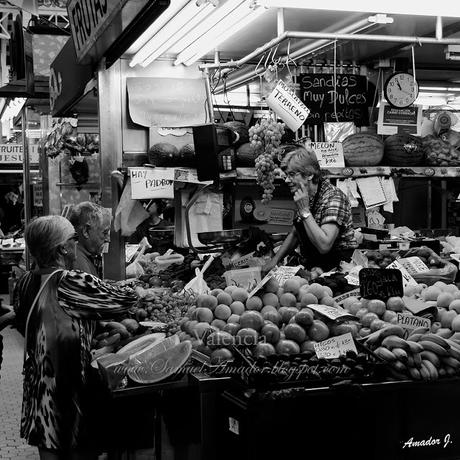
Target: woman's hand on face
point(302, 199)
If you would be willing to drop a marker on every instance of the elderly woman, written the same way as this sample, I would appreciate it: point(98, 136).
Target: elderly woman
point(323, 227)
point(57, 311)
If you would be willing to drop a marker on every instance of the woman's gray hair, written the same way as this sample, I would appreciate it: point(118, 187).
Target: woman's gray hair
point(88, 213)
point(304, 161)
point(44, 235)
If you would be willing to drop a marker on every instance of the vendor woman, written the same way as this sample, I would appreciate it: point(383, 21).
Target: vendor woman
point(323, 227)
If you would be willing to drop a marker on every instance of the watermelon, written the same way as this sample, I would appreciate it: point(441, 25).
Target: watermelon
point(246, 155)
point(187, 155)
point(161, 366)
point(362, 149)
point(403, 150)
point(163, 154)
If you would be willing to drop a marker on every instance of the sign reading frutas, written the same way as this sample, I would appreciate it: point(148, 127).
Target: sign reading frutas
point(288, 106)
point(380, 283)
point(152, 183)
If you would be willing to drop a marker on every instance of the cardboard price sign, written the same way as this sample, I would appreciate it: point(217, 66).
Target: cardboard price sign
point(380, 283)
point(329, 154)
point(335, 346)
point(407, 278)
point(285, 273)
point(332, 313)
point(414, 265)
point(411, 322)
point(353, 293)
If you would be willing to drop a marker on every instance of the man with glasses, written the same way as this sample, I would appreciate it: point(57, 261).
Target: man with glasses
point(92, 224)
point(323, 228)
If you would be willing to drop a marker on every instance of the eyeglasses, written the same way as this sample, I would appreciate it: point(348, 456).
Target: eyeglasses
point(73, 237)
point(291, 174)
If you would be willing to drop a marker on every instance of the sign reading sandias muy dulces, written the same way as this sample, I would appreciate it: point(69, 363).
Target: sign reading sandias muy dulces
point(12, 153)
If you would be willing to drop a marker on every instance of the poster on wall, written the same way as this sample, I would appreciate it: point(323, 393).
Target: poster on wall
point(346, 99)
point(394, 120)
point(167, 102)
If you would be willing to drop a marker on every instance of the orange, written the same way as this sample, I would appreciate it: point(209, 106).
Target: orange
point(230, 289)
point(220, 324)
point(456, 324)
point(199, 329)
point(389, 315)
point(272, 316)
point(233, 318)
point(204, 314)
point(444, 300)
point(328, 291)
point(221, 355)
point(364, 332)
point(237, 307)
point(308, 345)
point(288, 299)
point(344, 328)
point(263, 349)
point(222, 311)
point(447, 316)
point(367, 319)
point(247, 337)
point(232, 328)
point(376, 306)
point(355, 307)
point(287, 313)
point(376, 325)
point(271, 285)
point(304, 317)
point(216, 291)
point(395, 304)
point(219, 339)
point(361, 312)
point(287, 346)
point(271, 333)
point(349, 301)
point(307, 299)
point(431, 293)
point(239, 294)
point(316, 289)
point(292, 286)
point(269, 298)
point(254, 303)
point(295, 332)
point(206, 301)
point(455, 305)
point(224, 298)
point(318, 331)
point(327, 300)
point(268, 308)
point(252, 319)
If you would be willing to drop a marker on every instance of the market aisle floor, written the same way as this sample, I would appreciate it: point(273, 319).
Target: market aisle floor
point(11, 445)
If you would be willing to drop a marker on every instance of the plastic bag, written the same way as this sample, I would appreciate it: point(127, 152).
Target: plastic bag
point(198, 285)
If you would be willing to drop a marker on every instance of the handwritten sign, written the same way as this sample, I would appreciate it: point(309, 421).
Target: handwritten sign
point(262, 282)
point(288, 106)
point(149, 183)
point(420, 307)
point(406, 277)
point(335, 346)
point(283, 273)
point(411, 322)
point(331, 313)
point(329, 154)
point(167, 102)
point(380, 283)
point(345, 99)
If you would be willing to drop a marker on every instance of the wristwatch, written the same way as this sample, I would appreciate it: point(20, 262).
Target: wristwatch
point(304, 215)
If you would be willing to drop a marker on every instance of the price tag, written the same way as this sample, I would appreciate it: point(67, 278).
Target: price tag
point(353, 293)
point(407, 278)
point(284, 273)
point(329, 154)
point(413, 265)
point(331, 313)
point(353, 276)
point(335, 346)
point(380, 283)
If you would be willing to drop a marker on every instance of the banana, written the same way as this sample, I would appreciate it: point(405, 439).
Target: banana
point(400, 354)
point(425, 373)
point(441, 341)
point(453, 344)
point(393, 329)
point(452, 362)
point(393, 341)
point(434, 347)
point(431, 368)
point(410, 361)
point(414, 373)
point(398, 375)
point(399, 366)
point(415, 347)
point(418, 330)
point(454, 353)
point(442, 372)
point(415, 337)
point(432, 357)
point(385, 354)
point(450, 371)
point(417, 360)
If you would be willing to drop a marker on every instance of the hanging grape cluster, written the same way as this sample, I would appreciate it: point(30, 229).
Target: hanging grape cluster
point(265, 137)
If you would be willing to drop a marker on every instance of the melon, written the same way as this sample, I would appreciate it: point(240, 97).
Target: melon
point(246, 156)
point(187, 155)
point(163, 154)
point(163, 365)
point(403, 150)
point(363, 149)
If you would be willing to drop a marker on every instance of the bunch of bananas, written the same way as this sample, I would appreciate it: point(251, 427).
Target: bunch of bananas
point(423, 356)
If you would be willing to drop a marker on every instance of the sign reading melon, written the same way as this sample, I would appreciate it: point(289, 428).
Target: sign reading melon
point(149, 183)
point(343, 97)
point(329, 154)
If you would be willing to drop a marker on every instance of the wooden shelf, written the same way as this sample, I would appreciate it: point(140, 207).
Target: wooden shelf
point(426, 172)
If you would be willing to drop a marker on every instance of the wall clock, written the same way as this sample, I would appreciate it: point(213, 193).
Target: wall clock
point(401, 89)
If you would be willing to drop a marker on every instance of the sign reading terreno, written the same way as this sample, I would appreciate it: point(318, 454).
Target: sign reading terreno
point(88, 19)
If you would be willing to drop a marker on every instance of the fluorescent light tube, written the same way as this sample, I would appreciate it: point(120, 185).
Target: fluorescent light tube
point(448, 8)
point(187, 18)
point(223, 30)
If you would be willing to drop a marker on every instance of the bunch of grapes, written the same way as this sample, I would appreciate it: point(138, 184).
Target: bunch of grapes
point(265, 137)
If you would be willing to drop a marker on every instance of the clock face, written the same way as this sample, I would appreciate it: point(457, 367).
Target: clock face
point(401, 89)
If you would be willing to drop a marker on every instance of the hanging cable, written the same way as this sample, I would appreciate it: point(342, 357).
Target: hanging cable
point(335, 81)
